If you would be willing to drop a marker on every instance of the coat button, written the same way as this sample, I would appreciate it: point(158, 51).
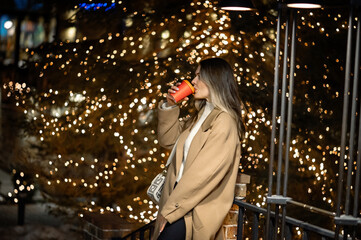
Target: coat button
point(176, 205)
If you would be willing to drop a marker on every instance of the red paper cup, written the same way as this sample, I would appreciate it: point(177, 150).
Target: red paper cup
point(185, 89)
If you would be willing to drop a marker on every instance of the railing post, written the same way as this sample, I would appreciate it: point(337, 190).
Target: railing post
point(272, 228)
point(275, 230)
point(141, 235)
point(288, 232)
point(240, 223)
point(255, 225)
point(151, 229)
point(231, 224)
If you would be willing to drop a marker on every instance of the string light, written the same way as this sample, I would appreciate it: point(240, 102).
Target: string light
point(117, 110)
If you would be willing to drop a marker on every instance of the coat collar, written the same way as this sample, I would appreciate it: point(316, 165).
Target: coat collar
point(209, 120)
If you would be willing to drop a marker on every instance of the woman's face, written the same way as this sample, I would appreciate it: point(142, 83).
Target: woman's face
point(201, 89)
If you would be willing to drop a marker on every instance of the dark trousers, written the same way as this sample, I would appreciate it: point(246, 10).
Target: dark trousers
point(174, 231)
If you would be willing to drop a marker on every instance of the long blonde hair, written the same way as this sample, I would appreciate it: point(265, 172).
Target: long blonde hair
point(217, 74)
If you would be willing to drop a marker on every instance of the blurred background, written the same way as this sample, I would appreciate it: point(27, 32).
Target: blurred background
point(80, 83)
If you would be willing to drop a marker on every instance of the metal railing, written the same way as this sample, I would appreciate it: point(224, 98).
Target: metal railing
point(142, 233)
point(250, 216)
point(306, 229)
point(346, 218)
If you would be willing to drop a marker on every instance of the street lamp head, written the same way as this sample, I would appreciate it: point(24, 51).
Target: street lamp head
point(306, 4)
point(237, 5)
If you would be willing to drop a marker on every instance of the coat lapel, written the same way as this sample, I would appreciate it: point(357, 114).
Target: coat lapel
point(180, 145)
point(179, 152)
point(201, 137)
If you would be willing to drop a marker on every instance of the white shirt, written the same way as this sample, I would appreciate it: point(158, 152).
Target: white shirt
point(207, 110)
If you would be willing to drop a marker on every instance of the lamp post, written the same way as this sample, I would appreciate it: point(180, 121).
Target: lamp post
point(278, 199)
point(347, 220)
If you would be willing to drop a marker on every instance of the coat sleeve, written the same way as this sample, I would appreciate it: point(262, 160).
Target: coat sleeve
point(169, 126)
point(208, 169)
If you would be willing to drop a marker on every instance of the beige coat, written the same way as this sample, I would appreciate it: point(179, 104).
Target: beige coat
point(205, 192)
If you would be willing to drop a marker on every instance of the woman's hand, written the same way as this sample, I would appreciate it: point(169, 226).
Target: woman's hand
point(170, 98)
point(159, 226)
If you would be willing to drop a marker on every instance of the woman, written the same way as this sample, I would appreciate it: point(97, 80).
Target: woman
point(199, 187)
